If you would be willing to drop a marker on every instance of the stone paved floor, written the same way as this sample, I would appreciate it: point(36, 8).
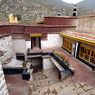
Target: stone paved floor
point(43, 83)
point(83, 73)
point(47, 83)
point(82, 83)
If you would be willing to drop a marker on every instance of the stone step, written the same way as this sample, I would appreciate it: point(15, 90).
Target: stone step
point(33, 56)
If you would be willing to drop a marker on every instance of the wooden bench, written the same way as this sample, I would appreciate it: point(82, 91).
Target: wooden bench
point(46, 56)
point(59, 67)
point(33, 56)
point(59, 63)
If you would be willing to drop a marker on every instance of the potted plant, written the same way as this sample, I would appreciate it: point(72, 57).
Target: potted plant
point(24, 64)
point(25, 74)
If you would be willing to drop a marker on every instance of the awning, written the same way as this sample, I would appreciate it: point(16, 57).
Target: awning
point(79, 38)
point(35, 35)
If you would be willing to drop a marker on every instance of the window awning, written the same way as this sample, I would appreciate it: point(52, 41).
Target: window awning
point(79, 38)
point(35, 35)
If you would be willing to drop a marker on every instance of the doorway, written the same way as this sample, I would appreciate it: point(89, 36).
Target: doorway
point(36, 41)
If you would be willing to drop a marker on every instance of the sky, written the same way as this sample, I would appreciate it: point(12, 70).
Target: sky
point(72, 1)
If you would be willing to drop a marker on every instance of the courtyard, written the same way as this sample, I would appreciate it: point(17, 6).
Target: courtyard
point(46, 82)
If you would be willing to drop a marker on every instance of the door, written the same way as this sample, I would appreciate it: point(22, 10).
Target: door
point(35, 42)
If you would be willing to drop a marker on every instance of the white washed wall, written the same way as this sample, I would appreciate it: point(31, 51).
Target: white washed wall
point(53, 40)
point(3, 87)
point(20, 45)
point(6, 45)
point(28, 44)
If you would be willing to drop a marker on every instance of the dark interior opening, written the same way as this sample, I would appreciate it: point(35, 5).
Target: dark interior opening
point(36, 64)
point(20, 56)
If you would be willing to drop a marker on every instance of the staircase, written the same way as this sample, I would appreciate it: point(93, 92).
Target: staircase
point(35, 57)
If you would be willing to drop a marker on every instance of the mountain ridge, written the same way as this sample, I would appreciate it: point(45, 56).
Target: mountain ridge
point(32, 10)
point(90, 4)
point(29, 10)
point(53, 3)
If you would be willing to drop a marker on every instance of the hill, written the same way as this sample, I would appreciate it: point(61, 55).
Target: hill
point(31, 10)
point(88, 4)
point(53, 3)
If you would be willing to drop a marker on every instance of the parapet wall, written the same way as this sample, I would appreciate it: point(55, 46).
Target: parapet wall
point(86, 24)
point(61, 20)
point(21, 31)
point(53, 25)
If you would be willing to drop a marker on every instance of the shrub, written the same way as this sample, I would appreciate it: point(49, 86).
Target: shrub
point(24, 64)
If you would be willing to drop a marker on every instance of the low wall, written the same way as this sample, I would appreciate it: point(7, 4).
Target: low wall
point(20, 45)
point(60, 20)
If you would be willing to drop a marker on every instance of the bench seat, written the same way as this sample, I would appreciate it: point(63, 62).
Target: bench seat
point(57, 64)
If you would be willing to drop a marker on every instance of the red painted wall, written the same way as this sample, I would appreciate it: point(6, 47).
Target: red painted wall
point(32, 29)
point(51, 25)
point(59, 20)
